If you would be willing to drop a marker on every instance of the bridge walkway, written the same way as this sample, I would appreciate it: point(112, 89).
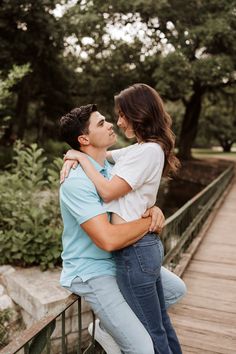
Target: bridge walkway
point(205, 319)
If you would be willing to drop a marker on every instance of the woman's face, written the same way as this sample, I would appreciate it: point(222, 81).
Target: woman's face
point(125, 125)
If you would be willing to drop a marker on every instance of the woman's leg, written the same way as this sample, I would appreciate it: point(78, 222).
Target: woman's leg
point(138, 268)
point(171, 335)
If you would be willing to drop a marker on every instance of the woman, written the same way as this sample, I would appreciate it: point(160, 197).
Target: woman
point(132, 190)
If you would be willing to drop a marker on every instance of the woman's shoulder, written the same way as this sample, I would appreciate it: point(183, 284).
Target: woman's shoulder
point(149, 152)
point(152, 147)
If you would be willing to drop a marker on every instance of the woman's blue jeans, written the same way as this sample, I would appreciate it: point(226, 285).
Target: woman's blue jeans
point(139, 279)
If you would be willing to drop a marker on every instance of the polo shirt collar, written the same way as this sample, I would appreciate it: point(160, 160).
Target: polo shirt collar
point(98, 167)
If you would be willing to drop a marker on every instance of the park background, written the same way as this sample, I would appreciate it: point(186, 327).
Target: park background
point(56, 55)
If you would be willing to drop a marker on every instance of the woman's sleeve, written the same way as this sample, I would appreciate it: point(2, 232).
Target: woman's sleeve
point(139, 166)
point(116, 154)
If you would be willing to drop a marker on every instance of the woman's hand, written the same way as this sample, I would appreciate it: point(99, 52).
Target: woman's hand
point(67, 166)
point(71, 160)
point(158, 219)
point(73, 155)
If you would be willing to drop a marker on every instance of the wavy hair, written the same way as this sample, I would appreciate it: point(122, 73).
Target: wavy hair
point(143, 107)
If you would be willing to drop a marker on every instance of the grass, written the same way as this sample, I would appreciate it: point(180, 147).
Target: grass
point(213, 153)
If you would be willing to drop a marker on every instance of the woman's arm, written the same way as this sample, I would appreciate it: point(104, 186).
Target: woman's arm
point(108, 190)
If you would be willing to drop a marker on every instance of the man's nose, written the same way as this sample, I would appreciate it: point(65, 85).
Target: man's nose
point(110, 126)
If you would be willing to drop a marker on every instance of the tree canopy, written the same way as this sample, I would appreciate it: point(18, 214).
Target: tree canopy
point(183, 49)
point(186, 50)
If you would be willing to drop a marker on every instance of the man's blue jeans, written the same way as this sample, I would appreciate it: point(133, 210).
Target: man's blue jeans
point(139, 279)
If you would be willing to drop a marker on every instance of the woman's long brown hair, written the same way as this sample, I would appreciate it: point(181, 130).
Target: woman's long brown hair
point(144, 108)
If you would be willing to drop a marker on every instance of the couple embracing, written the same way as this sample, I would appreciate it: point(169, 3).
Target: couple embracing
point(112, 254)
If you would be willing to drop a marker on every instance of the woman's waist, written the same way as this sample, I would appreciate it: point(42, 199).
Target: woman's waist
point(127, 211)
point(117, 219)
point(148, 239)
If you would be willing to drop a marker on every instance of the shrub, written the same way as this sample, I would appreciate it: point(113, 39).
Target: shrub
point(29, 210)
point(5, 316)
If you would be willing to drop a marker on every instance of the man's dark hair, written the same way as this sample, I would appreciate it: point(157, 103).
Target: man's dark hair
point(76, 123)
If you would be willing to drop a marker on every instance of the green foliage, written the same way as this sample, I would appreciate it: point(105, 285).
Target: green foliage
point(219, 120)
point(5, 316)
point(16, 74)
point(31, 33)
point(29, 210)
point(183, 49)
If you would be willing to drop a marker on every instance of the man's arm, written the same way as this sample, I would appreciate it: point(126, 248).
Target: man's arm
point(111, 237)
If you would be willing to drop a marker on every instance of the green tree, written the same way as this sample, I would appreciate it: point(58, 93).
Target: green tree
point(220, 119)
point(30, 33)
point(15, 75)
point(184, 49)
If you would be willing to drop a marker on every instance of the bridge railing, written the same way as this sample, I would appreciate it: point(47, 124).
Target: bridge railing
point(180, 230)
point(182, 227)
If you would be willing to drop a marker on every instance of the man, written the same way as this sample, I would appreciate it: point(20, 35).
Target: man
point(89, 237)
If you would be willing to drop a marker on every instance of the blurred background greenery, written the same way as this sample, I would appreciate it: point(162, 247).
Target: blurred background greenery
point(56, 55)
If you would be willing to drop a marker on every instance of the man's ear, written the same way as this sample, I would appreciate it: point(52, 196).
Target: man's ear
point(83, 140)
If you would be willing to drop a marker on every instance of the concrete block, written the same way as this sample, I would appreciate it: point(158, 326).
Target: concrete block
point(4, 270)
point(57, 333)
point(87, 317)
point(37, 292)
point(27, 318)
point(73, 310)
point(2, 290)
point(72, 341)
point(5, 302)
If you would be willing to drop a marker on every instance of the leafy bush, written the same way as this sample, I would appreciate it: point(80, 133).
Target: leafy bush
point(5, 316)
point(29, 210)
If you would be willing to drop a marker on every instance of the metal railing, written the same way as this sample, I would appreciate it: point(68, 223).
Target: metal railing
point(180, 230)
point(182, 227)
point(37, 338)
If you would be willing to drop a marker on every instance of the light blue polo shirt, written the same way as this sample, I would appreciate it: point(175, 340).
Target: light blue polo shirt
point(80, 202)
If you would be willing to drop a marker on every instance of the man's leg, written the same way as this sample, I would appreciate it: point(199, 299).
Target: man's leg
point(107, 302)
point(174, 288)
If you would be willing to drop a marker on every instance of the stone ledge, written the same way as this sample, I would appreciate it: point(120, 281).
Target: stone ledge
point(35, 291)
point(38, 293)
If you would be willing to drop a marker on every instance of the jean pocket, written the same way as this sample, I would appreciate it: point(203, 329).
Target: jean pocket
point(149, 257)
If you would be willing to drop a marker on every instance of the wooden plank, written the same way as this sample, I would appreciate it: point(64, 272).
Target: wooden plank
point(207, 286)
point(205, 319)
point(212, 327)
point(214, 235)
point(205, 314)
point(205, 302)
point(205, 341)
point(190, 350)
point(215, 270)
point(213, 252)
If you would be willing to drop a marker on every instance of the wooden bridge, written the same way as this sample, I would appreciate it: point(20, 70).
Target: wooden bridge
point(200, 245)
point(205, 319)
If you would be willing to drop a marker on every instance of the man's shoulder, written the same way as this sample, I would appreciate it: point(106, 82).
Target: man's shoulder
point(78, 180)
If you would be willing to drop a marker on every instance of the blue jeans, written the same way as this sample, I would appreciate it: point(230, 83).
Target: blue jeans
point(117, 318)
point(139, 279)
point(174, 288)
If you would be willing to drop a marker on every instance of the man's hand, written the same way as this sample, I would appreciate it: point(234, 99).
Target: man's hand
point(67, 166)
point(158, 219)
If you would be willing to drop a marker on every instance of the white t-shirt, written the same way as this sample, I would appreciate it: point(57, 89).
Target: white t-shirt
point(141, 166)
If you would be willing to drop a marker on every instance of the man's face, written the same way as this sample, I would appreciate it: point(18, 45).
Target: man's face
point(101, 134)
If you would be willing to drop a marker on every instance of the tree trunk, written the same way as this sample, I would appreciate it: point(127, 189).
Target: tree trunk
point(226, 144)
point(190, 124)
point(22, 108)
